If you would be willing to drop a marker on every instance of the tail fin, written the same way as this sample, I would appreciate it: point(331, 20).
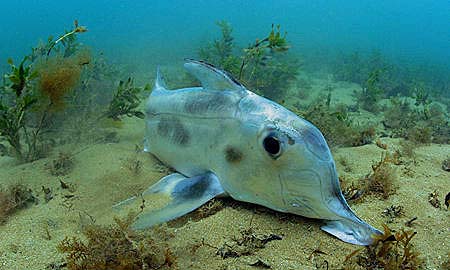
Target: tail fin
point(355, 232)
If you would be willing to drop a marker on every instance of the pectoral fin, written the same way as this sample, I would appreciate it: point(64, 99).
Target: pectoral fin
point(171, 197)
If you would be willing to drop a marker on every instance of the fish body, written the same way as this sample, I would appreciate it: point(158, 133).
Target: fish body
point(224, 140)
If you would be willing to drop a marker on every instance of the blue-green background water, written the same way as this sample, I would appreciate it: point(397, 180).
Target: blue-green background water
point(143, 33)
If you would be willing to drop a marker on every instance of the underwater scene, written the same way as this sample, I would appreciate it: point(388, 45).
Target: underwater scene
point(224, 135)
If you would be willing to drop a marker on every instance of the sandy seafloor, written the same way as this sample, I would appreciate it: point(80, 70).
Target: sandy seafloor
point(102, 177)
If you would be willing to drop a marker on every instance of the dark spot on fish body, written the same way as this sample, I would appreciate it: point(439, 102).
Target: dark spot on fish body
point(191, 188)
point(173, 130)
point(291, 141)
point(233, 155)
point(208, 102)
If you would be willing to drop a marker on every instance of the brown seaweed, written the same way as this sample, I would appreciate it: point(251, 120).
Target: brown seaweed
point(390, 250)
point(382, 178)
point(433, 199)
point(58, 76)
point(62, 165)
point(117, 247)
point(393, 212)
point(14, 198)
point(246, 244)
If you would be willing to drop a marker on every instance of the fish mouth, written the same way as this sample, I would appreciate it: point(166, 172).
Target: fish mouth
point(349, 227)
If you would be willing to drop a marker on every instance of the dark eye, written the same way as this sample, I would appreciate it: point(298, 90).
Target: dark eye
point(272, 145)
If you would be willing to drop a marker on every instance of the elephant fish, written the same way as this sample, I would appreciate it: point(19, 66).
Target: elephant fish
point(224, 140)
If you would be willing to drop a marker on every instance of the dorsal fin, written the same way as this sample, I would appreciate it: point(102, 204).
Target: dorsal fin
point(159, 81)
point(211, 77)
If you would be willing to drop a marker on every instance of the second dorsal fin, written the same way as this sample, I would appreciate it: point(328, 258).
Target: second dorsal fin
point(211, 77)
point(160, 84)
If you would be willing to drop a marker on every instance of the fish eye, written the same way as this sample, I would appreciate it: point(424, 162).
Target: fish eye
point(272, 145)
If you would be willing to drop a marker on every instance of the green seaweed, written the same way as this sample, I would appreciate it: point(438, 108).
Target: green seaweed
point(17, 126)
point(371, 92)
point(336, 123)
point(220, 51)
point(125, 101)
point(67, 40)
point(266, 67)
point(15, 102)
point(421, 97)
point(356, 67)
point(31, 91)
point(397, 79)
point(349, 68)
point(19, 77)
point(274, 42)
point(263, 66)
point(34, 110)
point(422, 122)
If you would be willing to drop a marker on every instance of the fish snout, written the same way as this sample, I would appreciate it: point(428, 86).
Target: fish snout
point(352, 231)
